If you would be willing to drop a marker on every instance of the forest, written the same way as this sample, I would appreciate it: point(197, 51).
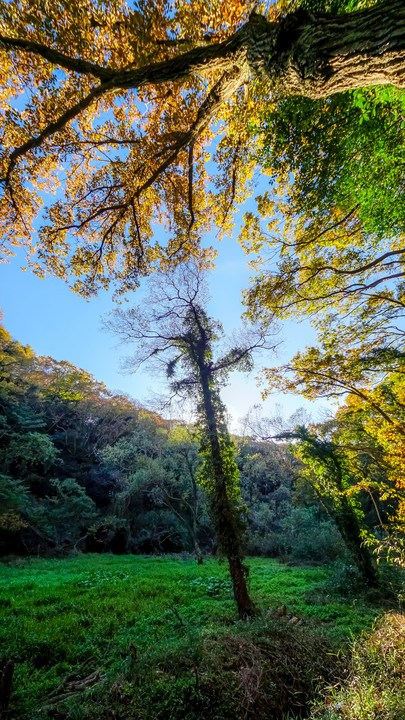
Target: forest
point(154, 566)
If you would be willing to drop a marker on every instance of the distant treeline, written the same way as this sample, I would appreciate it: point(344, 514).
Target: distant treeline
point(84, 468)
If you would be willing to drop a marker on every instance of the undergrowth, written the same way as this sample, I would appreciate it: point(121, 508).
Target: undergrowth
point(151, 638)
point(375, 686)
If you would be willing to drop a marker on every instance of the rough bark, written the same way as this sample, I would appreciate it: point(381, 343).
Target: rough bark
point(306, 54)
point(317, 56)
point(226, 532)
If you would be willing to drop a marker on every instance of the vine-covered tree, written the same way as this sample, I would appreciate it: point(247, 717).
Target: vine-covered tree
point(119, 104)
point(375, 447)
point(329, 474)
point(173, 329)
point(370, 429)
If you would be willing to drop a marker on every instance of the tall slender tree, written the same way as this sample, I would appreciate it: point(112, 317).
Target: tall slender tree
point(173, 329)
point(328, 471)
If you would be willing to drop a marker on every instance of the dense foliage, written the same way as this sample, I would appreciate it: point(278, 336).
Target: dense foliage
point(118, 106)
point(84, 468)
point(374, 687)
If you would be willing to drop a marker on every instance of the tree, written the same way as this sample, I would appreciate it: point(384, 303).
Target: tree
point(373, 433)
point(334, 215)
point(339, 169)
point(54, 419)
point(126, 101)
point(64, 518)
point(158, 497)
point(329, 473)
point(267, 474)
point(182, 495)
point(173, 329)
point(369, 432)
point(319, 372)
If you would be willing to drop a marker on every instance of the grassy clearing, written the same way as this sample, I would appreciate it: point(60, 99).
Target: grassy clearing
point(134, 637)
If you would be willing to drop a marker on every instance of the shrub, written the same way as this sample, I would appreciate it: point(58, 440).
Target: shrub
point(375, 688)
point(345, 580)
point(310, 537)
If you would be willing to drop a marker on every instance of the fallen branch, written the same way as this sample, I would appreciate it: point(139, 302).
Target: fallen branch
point(72, 685)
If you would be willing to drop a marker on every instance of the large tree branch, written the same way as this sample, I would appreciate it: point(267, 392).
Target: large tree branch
point(222, 57)
point(348, 388)
point(358, 270)
point(353, 289)
point(355, 271)
point(224, 89)
point(218, 57)
point(313, 239)
point(309, 55)
point(190, 185)
point(57, 58)
point(55, 127)
point(345, 291)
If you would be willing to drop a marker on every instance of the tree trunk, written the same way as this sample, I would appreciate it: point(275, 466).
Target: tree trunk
point(198, 552)
point(341, 510)
point(349, 528)
point(319, 55)
point(315, 55)
point(195, 508)
point(304, 54)
point(223, 511)
point(350, 532)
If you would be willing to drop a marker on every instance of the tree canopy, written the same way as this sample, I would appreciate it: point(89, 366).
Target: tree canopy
point(339, 216)
point(120, 105)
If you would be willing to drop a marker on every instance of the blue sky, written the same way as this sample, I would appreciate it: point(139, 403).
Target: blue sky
point(45, 314)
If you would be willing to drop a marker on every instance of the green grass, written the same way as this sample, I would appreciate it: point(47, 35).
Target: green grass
point(374, 688)
point(158, 630)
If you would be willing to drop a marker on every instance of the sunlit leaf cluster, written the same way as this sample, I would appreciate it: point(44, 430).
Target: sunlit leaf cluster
point(128, 167)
